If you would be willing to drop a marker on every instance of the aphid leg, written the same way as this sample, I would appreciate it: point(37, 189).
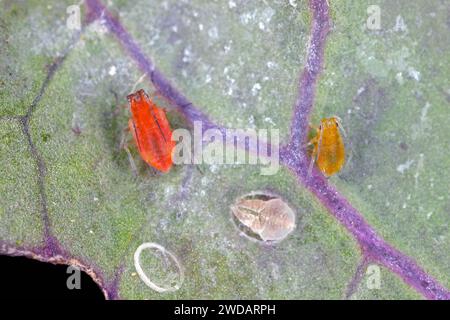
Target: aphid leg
point(315, 153)
point(123, 137)
point(154, 172)
point(118, 108)
point(131, 160)
point(311, 163)
point(199, 168)
point(310, 142)
point(124, 145)
point(312, 128)
point(138, 82)
point(319, 142)
point(350, 154)
point(350, 157)
point(313, 140)
point(157, 94)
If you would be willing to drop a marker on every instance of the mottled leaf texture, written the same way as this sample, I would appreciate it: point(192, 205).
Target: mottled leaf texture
point(378, 229)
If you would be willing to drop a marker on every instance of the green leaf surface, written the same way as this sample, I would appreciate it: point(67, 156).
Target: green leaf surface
point(239, 62)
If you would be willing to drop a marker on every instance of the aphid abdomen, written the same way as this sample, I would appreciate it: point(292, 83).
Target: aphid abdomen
point(331, 158)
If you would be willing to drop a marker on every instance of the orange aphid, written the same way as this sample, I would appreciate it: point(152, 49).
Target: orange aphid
point(151, 131)
point(328, 147)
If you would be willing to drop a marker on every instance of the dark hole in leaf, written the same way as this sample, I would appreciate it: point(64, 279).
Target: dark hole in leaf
point(27, 278)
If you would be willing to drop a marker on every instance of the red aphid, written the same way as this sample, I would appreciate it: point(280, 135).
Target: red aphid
point(151, 131)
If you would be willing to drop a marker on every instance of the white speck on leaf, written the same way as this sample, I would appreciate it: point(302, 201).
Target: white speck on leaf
point(168, 191)
point(246, 18)
point(404, 166)
point(112, 70)
point(399, 78)
point(419, 168)
point(213, 33)
point(271, 64)
point(360, 90)
point(255, 89)
point(413, 73)
point(424, 113)
point(187, 55)
point(269, 120)
point(99, 27)
point(419, 129)
point(261, 25)
point(267, 14)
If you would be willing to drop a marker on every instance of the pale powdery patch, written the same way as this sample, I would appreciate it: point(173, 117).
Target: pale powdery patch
point(257, 17)
point(43, 38)
point(112, 70)
point(256, 88)
point(413, 73)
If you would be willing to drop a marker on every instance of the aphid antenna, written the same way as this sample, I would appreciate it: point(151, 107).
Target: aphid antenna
point(319, 144)
point(139, 81)
point(124, 145)
point(350, 154)
point(339, 123)
point(310, 143)
point(199, 168)
point(310, 167)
